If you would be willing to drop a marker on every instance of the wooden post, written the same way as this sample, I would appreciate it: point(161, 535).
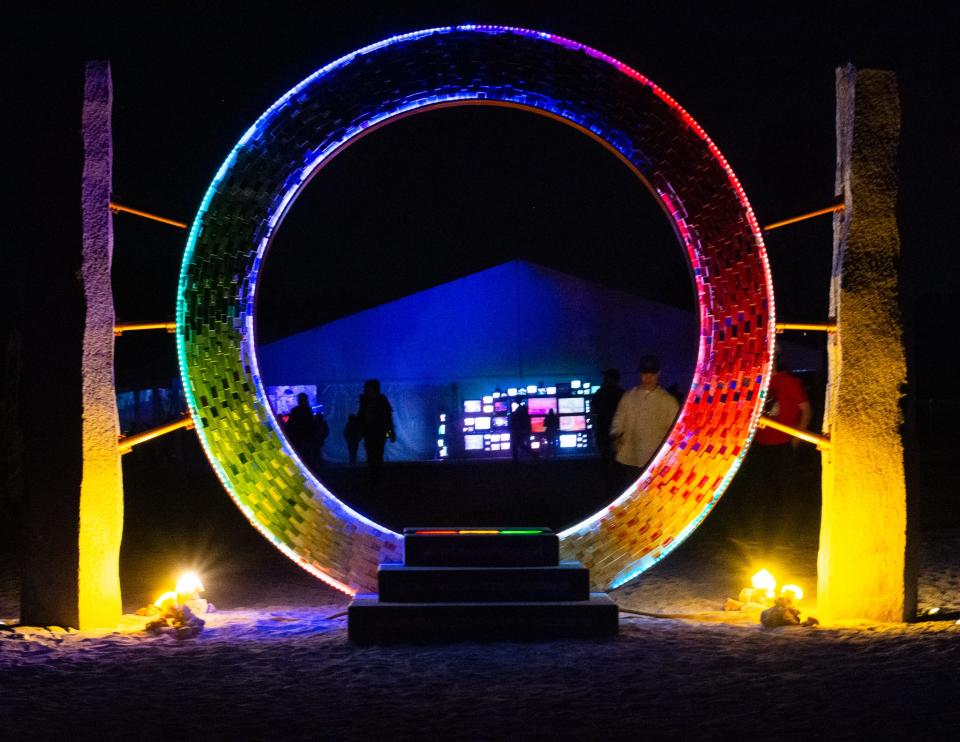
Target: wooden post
point(101, 493)
point(863, 538)
point(72, 498)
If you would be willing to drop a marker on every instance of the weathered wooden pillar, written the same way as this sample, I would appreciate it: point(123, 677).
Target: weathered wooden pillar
point(73, 499)
point(863, 537)
point(101, 493)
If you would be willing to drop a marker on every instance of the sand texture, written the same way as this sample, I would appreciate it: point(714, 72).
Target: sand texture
point(275, 663)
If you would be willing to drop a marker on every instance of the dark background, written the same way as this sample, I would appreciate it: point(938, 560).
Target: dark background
point(441, 195)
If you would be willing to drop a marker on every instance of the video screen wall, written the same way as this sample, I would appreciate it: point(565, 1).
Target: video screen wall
point(481, 427)
point(284, 398)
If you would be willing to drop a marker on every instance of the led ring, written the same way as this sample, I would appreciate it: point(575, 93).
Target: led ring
point(416, 72)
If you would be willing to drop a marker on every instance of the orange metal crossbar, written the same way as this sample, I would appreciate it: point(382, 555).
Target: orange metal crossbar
point(118, 330)
point(804, 217)
point(115, 207)
point(824, 327)
point(126, 444)
point(820, 441)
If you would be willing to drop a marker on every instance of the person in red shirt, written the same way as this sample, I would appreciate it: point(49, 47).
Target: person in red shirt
point(787, 403)
point(774, 464)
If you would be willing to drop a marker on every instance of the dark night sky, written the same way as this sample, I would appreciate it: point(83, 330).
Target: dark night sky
point(447, 193)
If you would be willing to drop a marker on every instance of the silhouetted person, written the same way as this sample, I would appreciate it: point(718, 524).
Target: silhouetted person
point(519, 430)
point(303, 432)
point(454, 436)
point(773, 458)
point(353, 434)
point(323, 432)
point(643, 419)
point(603, 406)
point(551, 430)
point(376, 417)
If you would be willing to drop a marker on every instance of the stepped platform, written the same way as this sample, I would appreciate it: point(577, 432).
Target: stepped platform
point(374, 622)
point(481, 584)
point(402, 584)
point(480, 547)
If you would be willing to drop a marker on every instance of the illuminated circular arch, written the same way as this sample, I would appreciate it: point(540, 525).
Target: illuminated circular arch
point(539, 72)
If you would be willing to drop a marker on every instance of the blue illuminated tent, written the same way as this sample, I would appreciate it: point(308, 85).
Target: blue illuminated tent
point(508, 326)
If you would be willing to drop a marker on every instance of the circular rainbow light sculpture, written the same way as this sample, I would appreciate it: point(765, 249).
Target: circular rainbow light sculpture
point(462, 65)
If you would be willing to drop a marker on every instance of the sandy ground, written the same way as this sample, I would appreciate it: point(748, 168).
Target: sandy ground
point(274, 662)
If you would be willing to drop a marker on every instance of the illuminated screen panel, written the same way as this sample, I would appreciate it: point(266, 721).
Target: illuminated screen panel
point(284, 398)
point(541, 405)
point(571, 405)
point(473, 442)
point(536, 425)
point(473, 405)
point(573, 423)
point(481, 423)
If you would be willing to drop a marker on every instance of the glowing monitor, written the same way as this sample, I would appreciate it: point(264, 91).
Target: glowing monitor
point(541, 405)
point(573, 423)
point(473, 442)
point(536, 424)
point(481, 423)
point(473, 405)
point(568, 441)
point(284, 398)
point(571, 405)
point(501, 421)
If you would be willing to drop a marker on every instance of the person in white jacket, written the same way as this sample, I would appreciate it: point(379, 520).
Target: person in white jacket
point(643, 418)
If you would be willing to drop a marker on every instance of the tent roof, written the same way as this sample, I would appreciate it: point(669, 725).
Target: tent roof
point(517, 322)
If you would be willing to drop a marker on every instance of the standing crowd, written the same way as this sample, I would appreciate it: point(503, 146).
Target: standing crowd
point(372, 425)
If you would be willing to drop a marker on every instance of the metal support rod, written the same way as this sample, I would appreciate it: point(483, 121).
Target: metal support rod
point(115, 207)
point(127, 443)
point(803, 217)
point(118, 330)
point(823, 327)
point(820, 441)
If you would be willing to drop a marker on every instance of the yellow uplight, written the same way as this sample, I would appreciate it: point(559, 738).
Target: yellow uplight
point(189, 584)
point(764, 581)
point(797, 592)
point(170, 597)
point(188, 587)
